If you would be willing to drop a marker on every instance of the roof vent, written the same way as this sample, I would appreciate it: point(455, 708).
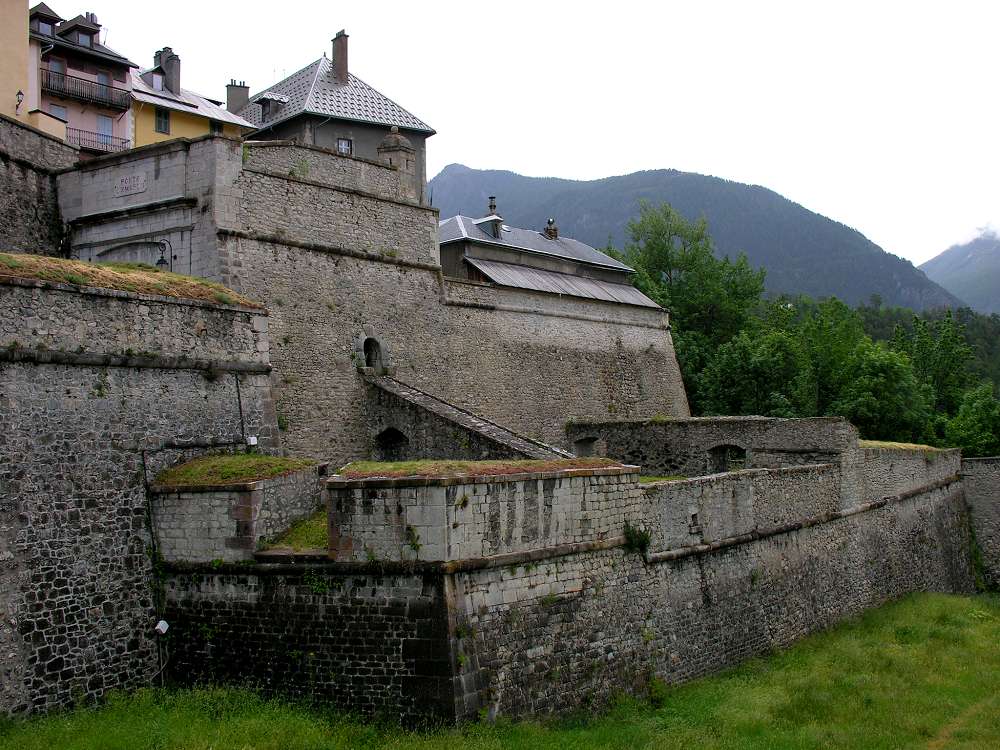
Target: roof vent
point(551, 230)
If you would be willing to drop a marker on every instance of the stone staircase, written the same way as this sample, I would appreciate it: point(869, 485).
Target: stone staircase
point(526, 446)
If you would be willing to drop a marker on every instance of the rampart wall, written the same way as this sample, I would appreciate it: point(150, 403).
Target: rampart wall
point(99, 390)
point(981, 478)
point(229, 522)
point(891, 470)
point(29, 209)
point(536, 619)
point(333, 250)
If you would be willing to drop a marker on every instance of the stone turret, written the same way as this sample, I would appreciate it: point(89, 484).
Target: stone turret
point(397, 151)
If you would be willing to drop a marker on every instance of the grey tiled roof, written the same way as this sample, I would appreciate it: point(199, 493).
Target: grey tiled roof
point(187, 101)
point(464, 228)
point(313, 90)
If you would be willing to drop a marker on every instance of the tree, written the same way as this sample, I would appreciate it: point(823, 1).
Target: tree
point(976, 427)
point(767, 374)
point(883, 397)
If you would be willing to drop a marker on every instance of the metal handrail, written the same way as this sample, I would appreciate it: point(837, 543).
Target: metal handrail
point(81, 88)
point(96, 141)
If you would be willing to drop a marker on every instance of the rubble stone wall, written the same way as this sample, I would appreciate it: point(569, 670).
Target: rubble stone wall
point(981, 478)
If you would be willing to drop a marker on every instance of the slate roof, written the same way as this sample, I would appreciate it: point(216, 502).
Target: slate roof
point(464, 228)
point(97, 50)
point(44, 11)
point(314, 91)
point(188, 101)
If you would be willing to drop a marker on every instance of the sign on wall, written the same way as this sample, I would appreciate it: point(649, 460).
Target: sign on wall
point(130, 184)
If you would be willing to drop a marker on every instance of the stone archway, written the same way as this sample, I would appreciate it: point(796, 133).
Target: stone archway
point(391, 445)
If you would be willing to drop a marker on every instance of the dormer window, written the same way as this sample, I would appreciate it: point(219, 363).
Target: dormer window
point(84, 39)
point(157, 81)
point(265, 108)
point(44, 27)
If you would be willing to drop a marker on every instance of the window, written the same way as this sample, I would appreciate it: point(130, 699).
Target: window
point(57, 66)
point(105, 128)
point(84, 39)
point(215, 128)
point(158, 81)
point(44, 27)
point(104, 78)
point(162, 120)
point(57, 111)
point(344, 146)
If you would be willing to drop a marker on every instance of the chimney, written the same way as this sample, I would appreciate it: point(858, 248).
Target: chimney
point(551, 230)
point(171, 65)
point(340, 70)
point(237, 95)
point(492, 209)
point(92, 17)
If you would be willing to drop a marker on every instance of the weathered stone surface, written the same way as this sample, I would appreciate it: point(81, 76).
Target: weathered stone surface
point(200, 524)
point(981, 478)
point(76, 575)
point(29, 210)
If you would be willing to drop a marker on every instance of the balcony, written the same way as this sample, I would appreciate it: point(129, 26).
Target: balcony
point(61, 84)
point(96, 141)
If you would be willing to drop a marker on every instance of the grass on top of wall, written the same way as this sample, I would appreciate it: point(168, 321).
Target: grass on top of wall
point(899, 446)
point(923, 672)
point(649, 479)
point(229, 469)
point(309, 533)
point(430, 468)
point(126, 277)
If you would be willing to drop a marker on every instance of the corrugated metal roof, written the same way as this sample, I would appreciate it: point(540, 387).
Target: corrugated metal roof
point(522, 277)
point(313, 90)
point(465, 228)
point(187, 101)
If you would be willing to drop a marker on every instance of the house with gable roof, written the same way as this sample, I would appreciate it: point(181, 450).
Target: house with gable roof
point(488, 250)
point(76, 79)
point(326, 105)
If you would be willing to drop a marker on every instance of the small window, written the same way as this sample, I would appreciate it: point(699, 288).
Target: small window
point(104, 78)
point(162, 120)
point(57, 66)
point(158, 81)
point(44, 27)
point(215, 128)
point(344, 146)
point(57, 111)
point(84, 39)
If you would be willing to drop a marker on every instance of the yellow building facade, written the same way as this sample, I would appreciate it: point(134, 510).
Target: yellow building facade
point(181, 125)
point(14, 58)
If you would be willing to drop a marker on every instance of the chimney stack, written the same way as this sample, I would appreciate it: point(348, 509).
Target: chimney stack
point(237, 95)
point(551, 230)
point(492, 209)
point(171, 65)
point(340, 70)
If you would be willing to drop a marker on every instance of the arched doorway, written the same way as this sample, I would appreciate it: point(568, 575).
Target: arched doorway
point(391, 445)
point(373, 353)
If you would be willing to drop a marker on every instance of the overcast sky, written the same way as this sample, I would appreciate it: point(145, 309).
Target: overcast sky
point(881, 115)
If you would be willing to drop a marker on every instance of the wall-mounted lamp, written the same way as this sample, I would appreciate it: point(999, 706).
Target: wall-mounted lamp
point(163, 262)
point(20, 99)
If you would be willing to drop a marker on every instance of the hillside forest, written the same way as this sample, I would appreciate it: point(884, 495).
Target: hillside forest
point(896, 375)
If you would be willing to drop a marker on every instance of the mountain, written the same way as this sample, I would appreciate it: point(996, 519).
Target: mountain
point(802, 250)
point(970, 271)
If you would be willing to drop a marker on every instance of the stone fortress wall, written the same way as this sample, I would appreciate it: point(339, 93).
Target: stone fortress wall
point(544, 604)
point(29, 210)
point(334, 248)
point(981, 477)
point(98, 391)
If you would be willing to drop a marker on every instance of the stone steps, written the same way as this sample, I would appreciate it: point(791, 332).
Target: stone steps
point(526, 446)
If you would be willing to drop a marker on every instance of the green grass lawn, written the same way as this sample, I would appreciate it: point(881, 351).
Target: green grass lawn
point(446, 468)
point(308, 534)
point(921, 673)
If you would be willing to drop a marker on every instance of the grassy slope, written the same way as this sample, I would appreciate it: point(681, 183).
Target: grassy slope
point(229, 469)
point(308, 534)
point(920, 673)
point(125, 277)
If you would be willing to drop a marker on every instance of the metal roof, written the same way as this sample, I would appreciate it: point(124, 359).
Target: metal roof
point(187, 101)
point(465, 228)
point(314, 91)
point(523, 277)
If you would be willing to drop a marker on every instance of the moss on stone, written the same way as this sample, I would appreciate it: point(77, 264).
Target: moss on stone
point(394, 469)
point(126, 277)
point(229, 469)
